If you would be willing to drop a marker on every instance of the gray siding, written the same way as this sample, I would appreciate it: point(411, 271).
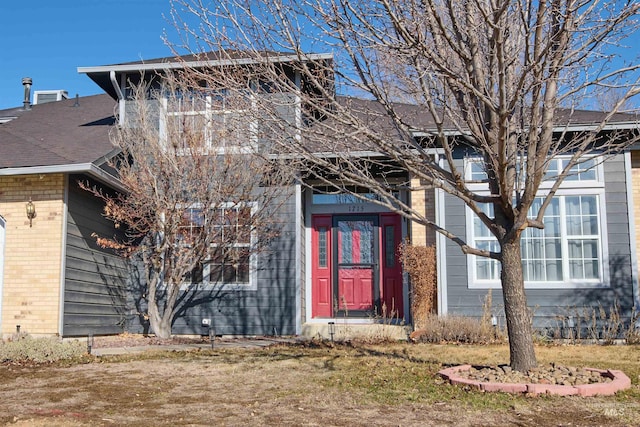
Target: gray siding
point(95, 278)
point(269, 309)
point(303, 265)
point(550, 306)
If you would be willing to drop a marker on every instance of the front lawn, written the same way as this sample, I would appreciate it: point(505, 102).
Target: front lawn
point(305, 384)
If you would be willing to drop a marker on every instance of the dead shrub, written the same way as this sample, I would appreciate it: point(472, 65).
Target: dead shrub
point(24, 348)
point(632, 334)
point(458, 329)
point(420, 263)
point(598, 325)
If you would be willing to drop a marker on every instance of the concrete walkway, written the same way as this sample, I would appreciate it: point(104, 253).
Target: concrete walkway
point(218, 344)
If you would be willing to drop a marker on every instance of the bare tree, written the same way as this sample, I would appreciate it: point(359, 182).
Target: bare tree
point(201, 202)
point(441, 77)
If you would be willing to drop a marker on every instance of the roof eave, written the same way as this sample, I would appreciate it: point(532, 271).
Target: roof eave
point(141, 66)
point(87, 168)
point(629, 125)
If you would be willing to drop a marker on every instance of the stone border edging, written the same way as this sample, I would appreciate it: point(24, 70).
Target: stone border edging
point(619, 382)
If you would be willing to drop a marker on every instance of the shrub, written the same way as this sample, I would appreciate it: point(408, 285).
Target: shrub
point(632, 334)
point(40, 350)
point(598, 325)
point(460, 329)
point(420, 263)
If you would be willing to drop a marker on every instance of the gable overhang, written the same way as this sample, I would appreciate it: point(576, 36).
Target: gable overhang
point(103, 75)
point(89, 169)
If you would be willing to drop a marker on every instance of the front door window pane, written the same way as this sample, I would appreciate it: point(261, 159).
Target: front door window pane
point(322, 247)
point(389, 247)
point(356, 242)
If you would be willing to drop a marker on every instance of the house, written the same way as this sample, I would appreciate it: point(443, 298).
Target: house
point(336, 258)
point(303, 285)
point(54, 279)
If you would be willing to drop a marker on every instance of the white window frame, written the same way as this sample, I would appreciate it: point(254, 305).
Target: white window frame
point(252, 285)
point(208, 114)
point(568, 188)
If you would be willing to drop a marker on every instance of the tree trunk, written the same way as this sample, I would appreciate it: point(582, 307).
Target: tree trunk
point(160, 325)
point(523, 357)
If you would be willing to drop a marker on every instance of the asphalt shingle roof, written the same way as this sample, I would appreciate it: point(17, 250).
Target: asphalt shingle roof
point(59, 133)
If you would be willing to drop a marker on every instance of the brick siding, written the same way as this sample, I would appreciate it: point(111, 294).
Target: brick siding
point(423, 201)
point(33, 255)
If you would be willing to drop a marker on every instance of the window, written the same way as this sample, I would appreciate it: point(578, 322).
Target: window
point(389, 246)
point(322, 247)
point(213, 123)
point(571, 249)
point(586, 171)
point(231, 261)
point(567, 251)
point(328, 195)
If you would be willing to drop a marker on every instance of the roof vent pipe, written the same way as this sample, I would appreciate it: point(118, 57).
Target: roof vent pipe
point(26, 82)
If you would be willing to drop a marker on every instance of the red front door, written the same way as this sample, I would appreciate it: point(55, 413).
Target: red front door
point(356, 270)
point(357, 263)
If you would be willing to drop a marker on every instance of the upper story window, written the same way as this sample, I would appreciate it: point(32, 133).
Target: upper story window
point(211, 122)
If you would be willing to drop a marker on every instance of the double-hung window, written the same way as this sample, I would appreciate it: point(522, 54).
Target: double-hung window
point(231, 260)
point(571, 249)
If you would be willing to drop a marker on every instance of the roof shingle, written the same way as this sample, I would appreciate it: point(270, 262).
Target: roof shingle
point(59, 133)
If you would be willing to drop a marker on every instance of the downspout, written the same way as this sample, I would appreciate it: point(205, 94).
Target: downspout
point(116, 87)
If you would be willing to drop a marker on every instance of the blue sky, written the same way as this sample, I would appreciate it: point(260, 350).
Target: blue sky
point(48, 39)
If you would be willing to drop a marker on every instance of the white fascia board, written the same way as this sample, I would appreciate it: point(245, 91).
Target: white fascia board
point(349, 154)
point(88, 168)
point(141, 66)
point(560, 128)
point(446, 132)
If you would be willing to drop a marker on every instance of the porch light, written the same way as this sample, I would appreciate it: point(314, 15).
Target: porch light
point(31, 212)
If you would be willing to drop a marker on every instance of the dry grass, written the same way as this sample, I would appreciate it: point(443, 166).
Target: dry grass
point(307, 384)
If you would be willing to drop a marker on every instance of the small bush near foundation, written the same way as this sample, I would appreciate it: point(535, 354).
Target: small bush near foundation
point(598, 325)
point(40, 350)
point(632, 334)
point(459, 329)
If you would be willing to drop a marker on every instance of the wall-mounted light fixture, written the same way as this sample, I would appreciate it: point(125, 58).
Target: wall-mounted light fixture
point(31, 212)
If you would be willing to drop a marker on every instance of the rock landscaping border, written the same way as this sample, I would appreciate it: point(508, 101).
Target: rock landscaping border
point(619, 381)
